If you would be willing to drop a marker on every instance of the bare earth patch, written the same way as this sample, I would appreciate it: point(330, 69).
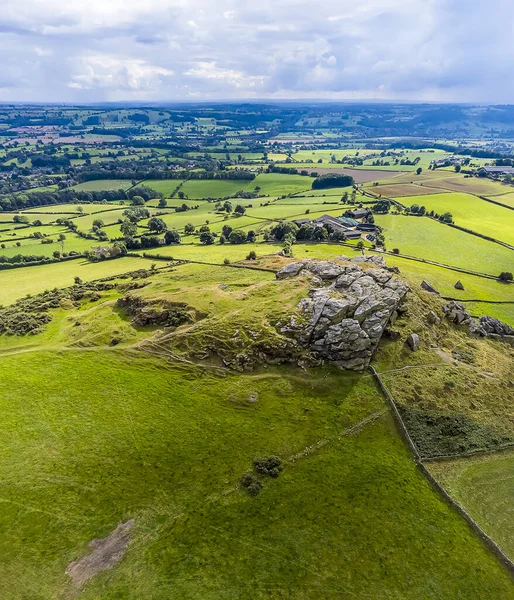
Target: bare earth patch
point(106, 553)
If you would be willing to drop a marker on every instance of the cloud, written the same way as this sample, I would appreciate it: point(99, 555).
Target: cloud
point(178, 49)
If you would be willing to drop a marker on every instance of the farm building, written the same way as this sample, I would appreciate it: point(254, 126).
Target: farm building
point(336, 223)
point(332, 221)
point(496, 171)
point(358, 213)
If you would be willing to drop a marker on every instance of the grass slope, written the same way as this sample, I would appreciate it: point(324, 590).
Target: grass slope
point(166, 447)
point(484, 486)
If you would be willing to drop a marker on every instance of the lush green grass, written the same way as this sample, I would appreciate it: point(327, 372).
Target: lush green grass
point(484, 486)
point(470, 212)
point(101, 185)
point(507, 199)
point(164, 186)
point(215, 188)
point(16, 283)
point(36, 248)
point(279, 184)
point(353, 517)
point(425, 238)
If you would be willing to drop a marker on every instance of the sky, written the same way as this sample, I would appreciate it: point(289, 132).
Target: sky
point(202, 50)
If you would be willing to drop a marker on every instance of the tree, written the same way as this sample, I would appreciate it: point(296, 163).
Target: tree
point(163, 203)
point(172, 237)
point(505, 276)
point(204, 229)
point(422, 211)
point(156, 225)
point(344, 198)
point(447, 217)
point(226, 230)
point(282, 229)
point(223, 239)
point(138, 201)
point(252, 255)
point(80, 210)
point(332, 180)
point(419, 170)
point(21, 219)
point(189, 228)
point(136, 213)
point(98, 223)
point(457, 168)
point(360, 245)
point(414, 209)
point(206, 238)
point(227, 206)
point(237, 237)
point(382, 206)
point(128, 229)
point(61, 237)
point(56, 254)
point(250, 237)
point(240, 210)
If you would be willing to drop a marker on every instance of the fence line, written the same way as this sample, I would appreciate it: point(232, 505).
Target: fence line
point(492, 545)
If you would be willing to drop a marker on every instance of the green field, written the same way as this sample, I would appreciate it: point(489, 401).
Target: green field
point(484, 486)
point(278, 184)
point(470, 212)
point(163, 186)
point(101, 185)
point(214, 188)
point(353, 516)
point(425, 238)
point(16, 283)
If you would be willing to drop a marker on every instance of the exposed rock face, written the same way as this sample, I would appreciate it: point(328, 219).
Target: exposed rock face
point(343, 320)
point(456, 313)
point(484, 327)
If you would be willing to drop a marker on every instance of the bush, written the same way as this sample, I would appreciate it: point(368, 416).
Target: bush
point(505, 276)
point(237, 237)
point(172, 237)
point(270, 466)
point(252, 255)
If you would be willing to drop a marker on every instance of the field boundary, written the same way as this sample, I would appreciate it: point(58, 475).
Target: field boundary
point(419, 461)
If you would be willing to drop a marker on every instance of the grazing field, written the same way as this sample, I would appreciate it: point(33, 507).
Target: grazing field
point(101, 185)
point(279, 184)
point(485, 487)
point(507, 199)
point(470, 212)
point(16, 283)
point(214, 188)
point(135, 448)
point(36, 248)
point(164, 186)
point(425, 238)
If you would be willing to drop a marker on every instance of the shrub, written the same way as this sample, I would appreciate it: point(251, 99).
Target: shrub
point(505, 276)
point(252, 255)
point(270, 466)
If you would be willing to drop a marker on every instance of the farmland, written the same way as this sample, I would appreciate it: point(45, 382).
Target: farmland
point(153, 361)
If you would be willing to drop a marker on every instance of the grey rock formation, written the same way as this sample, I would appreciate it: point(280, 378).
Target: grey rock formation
point(456, 313)
point(484, 327)
point(290, 270)
point(413, 342)
point(428, 288)
point(343, 321)
point(458, 285)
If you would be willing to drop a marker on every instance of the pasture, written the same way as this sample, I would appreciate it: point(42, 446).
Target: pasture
point(470, 212)
point(163, 186)
point(103, 185)
point(16, 283)
point(426, 238)
point(484, 486)
point(214, 188)
point(136, 448)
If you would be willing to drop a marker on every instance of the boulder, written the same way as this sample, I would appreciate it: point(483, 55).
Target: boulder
point(456, 313)
point(428, 288)
point(458, 285)
point(325, 269)
point(290, 270)
point(413, 342)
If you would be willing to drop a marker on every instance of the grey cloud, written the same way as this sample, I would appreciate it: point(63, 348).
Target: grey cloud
point(180, 49)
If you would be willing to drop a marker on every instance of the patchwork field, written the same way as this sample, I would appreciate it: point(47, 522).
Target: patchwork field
point(101, 185)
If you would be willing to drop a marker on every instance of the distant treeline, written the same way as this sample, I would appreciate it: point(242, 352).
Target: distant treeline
point(71, 196)
point(461, 150)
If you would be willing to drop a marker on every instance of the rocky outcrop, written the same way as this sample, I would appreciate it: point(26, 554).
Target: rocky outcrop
point(414, 342)
point(348, 308)
point(458, 285)
point(484, 327)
